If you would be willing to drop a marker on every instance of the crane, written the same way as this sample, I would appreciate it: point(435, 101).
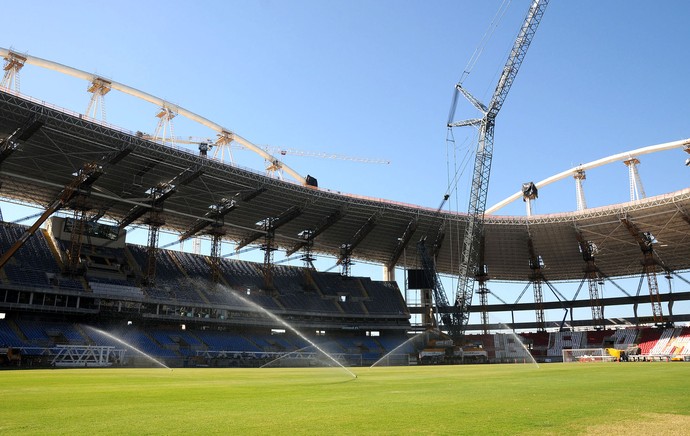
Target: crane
point(222, 148)
point(322, 155)
point(472, 245)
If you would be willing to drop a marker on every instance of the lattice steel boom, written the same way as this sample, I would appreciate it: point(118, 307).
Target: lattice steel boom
point(482, 163)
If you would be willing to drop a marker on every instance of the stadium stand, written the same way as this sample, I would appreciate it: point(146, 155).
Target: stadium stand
point(625, 337)
point(648, 339)
point(564, 340)
point(507, 348)
point(672, 342)
point(596, 338)
point(184, 318)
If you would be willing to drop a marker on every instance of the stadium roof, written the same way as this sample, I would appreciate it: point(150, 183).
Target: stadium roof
point(376, 230)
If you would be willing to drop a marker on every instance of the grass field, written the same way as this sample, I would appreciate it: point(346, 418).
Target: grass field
point(600, 398)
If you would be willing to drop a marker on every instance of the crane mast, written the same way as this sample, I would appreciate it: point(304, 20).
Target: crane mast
point(472, 244)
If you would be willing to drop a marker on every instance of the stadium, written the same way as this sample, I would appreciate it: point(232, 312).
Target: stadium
point(76, 292)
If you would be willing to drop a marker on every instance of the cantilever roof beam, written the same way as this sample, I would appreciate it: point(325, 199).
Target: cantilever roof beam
point(402, 243)
point(363, 231)
point(216, 213)
point(285, 217)
point(438, 242)
point(322, 226)
point(646, 242)
point(643, 239)
point(84, 178)
point(221, 209)
point(250, 195)
point(186, 177)
point(157, 195)
point(160, 193)
point(10, 144)
point(116, 156)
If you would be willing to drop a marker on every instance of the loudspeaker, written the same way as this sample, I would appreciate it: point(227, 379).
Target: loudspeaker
point(417, 279)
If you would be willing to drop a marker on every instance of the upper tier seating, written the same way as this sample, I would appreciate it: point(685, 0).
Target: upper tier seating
point(34, 264)
point(184, 280)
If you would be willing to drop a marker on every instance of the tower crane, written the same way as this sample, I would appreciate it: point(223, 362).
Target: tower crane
point(208, 143)
point(322, 155)
point(472, 245)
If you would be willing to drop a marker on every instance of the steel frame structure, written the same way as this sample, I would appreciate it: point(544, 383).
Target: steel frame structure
point(67, 141)
point(471, 245)
point(44, 164)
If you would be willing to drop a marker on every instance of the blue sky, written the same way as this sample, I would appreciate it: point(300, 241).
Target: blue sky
point(375, 79)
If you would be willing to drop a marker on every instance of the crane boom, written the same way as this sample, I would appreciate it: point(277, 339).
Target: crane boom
point(270, 149)
point(517, 54)
point(482, 165)
point(322, 155)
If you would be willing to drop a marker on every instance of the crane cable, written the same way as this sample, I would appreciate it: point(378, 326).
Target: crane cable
point(459, 169)
point(485, 40)
point(457, 173)
point(488, 34)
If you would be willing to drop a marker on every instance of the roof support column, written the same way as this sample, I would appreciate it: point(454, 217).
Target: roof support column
point(13, 64)
point(481, 278)
point(646, 242)
point(537, 277)
point(155, 220)
point(594, 280)
point(388, 273)
point(579, 177)
point(78, 224)
point(268, 247)
point(217, 232)
point(98, 89)
point(636, 188)
point(483, 292)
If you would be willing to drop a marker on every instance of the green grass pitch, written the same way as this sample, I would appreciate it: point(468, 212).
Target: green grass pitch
point(596, 398)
